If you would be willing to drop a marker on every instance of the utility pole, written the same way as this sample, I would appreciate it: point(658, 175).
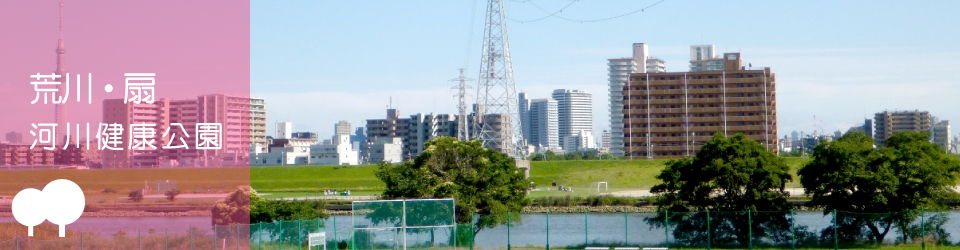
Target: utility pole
point(463, 131)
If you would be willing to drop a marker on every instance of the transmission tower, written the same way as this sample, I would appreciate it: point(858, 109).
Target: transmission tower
point(497, 123)
point(463, 131)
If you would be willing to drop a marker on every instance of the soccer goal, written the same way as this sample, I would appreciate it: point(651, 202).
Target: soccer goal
point(403, 224)
point(605, 186)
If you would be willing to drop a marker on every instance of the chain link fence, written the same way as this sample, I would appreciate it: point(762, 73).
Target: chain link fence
point(694, 230)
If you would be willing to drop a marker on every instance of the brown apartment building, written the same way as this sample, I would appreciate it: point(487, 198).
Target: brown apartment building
point(671, 115)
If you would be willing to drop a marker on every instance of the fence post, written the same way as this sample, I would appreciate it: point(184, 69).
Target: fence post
point(140, 240)
point(300, 233)
point(166, 239)
point(238, 236)
point(666, 227)
point(17, 240)
point(923, 229)
point(81, 241)
point(191, 237)
point(708, 230)
point(749, 230)
point(626, 235)
point(473, 227)
point(793, 233)
point(586, 230)
point(260, 234)
point(508, 230)
point(836, 242)
point(336, 242)
point(548, 230)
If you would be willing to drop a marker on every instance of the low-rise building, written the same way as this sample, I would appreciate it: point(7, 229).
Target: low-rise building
point(384, 150)
point(337, 151)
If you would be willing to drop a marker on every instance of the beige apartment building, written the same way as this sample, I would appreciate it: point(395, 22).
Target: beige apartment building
point(887, 123)
point(244, 128)
point(671, 115)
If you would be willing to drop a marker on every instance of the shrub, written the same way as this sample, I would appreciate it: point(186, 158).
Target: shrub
point(136, 195)
point(172, 194)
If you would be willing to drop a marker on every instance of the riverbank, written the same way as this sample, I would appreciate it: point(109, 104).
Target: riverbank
point(134, 213)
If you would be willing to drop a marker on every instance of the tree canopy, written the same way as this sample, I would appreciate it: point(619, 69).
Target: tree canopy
point(727, 174)
point(891, 182)
point(731, 176)
point(482, 181)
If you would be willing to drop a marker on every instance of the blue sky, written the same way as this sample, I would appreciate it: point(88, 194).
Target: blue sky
point(318, 62)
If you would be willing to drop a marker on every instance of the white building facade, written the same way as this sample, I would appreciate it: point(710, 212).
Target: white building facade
point(542, 125)
point(619, 70)
point(574, 112)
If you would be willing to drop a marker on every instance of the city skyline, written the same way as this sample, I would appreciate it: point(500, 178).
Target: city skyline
point(356, 55)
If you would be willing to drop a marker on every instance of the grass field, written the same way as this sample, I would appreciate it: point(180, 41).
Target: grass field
point(125, 180)
point(581, 175)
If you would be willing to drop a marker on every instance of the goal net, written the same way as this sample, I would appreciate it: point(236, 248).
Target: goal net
point(403, 224)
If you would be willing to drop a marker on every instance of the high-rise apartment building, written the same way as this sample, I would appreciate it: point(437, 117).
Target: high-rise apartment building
point(574, 111)
point(420, 128)
point(619, 70)
point(414, 131)
point(383, 129)
point(619, 74)
point(941, 134)
point(702, 58)
point(887, 123)
point(540, 122)
point(342, 128)
point(668, 115)
point(605, 141)
point(244, 122)
point(155, 117)
point(243, 127)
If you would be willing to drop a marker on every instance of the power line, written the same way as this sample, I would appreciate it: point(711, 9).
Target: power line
point(473, 13)
point(578, 20)
point(544, 11)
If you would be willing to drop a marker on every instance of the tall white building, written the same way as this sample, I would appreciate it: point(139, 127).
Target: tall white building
point(940, 133)
point(581, 141)
point(284, 130)
point(619, 70)
point(605, 141)
point(574, 111)
point(540, 122)
point(703, 58)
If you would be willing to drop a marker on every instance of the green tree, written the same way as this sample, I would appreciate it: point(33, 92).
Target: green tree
point(607, 156)
point(234, 209)
point(537, 157)
point(172, 194)
point(729, 175)
point(890, 184)
point(551, 156)
point(482, 181)
point(136, 195)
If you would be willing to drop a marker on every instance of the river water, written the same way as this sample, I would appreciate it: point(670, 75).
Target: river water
point(112, 225)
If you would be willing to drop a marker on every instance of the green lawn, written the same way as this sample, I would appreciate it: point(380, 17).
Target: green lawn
point(124, 180)
point(314, 178)
point(583, 175)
